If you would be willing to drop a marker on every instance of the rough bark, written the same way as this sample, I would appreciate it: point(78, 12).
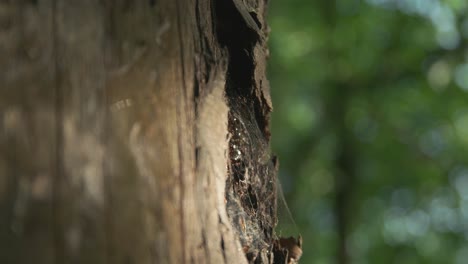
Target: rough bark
point(117, 128)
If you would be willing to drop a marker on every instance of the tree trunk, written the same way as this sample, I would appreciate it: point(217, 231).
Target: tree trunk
point(135, 132)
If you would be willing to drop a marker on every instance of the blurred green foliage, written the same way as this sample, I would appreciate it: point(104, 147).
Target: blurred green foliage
point(371, 127)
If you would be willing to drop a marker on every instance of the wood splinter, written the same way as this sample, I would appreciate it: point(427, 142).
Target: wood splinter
point(293, 247)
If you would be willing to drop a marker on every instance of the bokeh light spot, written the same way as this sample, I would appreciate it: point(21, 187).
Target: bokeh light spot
point(439, 75)
point(461, 125)
point(461, 76)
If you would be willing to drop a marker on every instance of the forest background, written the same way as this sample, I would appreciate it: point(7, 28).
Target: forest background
point(371, 126)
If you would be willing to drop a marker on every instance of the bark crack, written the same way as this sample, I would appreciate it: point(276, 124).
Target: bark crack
point(250, 186)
